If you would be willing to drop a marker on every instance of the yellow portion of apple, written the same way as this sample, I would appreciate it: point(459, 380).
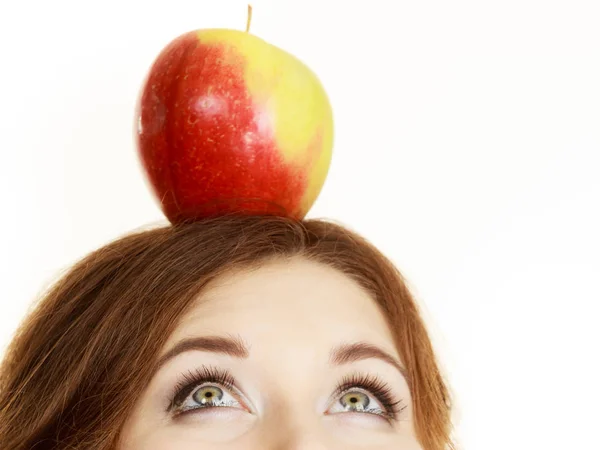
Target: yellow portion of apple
point(294, 98)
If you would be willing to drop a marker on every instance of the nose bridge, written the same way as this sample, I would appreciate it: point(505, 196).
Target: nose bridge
point(297, 438)
point(292, 422)
point(294, 428)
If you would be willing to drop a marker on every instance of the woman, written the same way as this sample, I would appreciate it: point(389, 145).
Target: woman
point(234, 332)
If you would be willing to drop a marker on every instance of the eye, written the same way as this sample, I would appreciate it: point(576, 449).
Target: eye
point(205, 388)
point(357, 400)
point(366, 394)
point(208, 396)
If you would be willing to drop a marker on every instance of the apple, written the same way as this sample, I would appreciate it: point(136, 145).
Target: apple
point(228, 123)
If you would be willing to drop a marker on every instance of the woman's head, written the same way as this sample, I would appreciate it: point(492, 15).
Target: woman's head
point(282, 334)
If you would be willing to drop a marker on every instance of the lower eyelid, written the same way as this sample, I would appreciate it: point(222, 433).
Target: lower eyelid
point(353, 420)
point(214, 411)
point(240, 399)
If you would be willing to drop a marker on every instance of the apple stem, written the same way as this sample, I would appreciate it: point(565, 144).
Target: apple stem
point(249, 18)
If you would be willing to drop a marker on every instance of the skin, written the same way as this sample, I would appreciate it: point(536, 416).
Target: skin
point(290, 314)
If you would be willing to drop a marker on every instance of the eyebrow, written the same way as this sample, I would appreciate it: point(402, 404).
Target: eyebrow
point(227, 345)
point(234, 346)
point(357, 351)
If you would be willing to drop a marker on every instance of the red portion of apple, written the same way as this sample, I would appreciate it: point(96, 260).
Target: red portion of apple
point(205, 145)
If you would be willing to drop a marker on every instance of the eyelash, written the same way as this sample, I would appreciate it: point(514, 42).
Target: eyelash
point(376, 386)
point(191, 379)
point(371, 383)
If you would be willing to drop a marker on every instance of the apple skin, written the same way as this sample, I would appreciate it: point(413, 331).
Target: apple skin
point(228, 123)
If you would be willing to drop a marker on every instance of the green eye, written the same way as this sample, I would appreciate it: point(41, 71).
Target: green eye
point(354, 401)
point(208, 394)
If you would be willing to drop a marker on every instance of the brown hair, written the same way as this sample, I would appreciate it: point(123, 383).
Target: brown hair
point(81, 357)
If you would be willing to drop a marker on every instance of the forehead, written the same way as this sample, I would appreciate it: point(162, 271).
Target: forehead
point(287, 300)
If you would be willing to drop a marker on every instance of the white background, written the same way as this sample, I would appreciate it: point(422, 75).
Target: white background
point(466, 147)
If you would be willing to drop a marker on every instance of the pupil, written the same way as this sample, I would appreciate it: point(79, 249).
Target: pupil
point(209, 394)
point(353, 400)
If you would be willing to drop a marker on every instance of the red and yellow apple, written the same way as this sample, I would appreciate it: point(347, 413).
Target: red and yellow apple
point(227, 122)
